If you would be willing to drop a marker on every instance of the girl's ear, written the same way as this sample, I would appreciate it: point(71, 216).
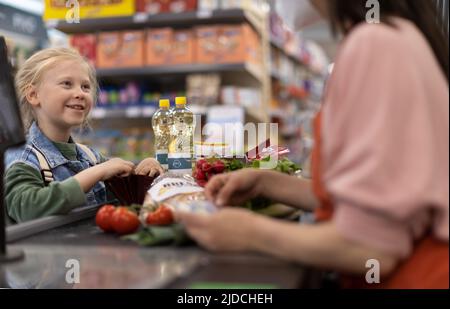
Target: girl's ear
point(32, 96)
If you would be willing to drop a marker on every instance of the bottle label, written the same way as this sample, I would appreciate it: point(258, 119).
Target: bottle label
point(163, 159)
point(180, 163)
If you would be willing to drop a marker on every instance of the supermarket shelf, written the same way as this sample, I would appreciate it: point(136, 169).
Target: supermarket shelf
point(142, 20)
point(275, 75)
point(280, 47)
point(138, 112)
point(129, 112)
point(135, 112)
point(160, 71)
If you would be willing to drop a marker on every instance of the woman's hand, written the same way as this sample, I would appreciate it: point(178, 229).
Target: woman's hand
point(239, 187)
point(149, 167)
point(115, 167)
point(221, 231)
point(235, 188)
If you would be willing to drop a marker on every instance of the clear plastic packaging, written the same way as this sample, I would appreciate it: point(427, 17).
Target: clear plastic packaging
point(178, 193)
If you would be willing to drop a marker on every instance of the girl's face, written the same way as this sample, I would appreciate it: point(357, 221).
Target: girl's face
point(64, 97)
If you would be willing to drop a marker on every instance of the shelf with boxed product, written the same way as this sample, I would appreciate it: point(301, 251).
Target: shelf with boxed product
point(161, 71)
point(279, 46)
point(212, 45)
point(145, 20)
point(135, 112)
point(129, 112)
point(138, 112)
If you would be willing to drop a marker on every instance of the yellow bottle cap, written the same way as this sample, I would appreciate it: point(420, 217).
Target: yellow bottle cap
point(164, 103)
point(180, 101)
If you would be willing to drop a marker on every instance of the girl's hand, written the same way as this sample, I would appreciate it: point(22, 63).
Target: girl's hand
point(235, 188)
point(116, 167)
point(221, 231)
point(149, 167)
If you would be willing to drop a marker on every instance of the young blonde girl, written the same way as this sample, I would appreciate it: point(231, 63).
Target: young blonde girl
point(52, 174)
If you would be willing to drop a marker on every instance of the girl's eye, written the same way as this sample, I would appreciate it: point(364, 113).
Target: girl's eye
point(66, 83)
point(86, 87)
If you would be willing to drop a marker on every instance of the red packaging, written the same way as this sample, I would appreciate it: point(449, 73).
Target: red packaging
point(86, 44)
point(265, 150)
point(153, 6)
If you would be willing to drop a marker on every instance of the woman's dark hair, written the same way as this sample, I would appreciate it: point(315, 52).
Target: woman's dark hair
point(345, 14)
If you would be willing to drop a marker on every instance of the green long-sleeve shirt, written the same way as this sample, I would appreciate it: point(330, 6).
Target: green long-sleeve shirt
point(28, 198)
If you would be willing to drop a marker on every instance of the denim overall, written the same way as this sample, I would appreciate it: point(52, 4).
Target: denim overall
point(61, 167)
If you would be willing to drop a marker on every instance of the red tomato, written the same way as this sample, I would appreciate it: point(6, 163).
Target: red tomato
point(103, 218)
point(162, 216)
point(124, 221)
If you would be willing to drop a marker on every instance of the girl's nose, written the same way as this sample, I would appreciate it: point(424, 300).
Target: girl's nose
point(79, 94)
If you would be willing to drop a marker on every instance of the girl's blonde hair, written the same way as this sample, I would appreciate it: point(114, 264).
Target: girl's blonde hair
point(31, 72)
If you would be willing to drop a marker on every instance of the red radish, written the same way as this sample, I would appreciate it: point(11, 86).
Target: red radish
point(218, 167)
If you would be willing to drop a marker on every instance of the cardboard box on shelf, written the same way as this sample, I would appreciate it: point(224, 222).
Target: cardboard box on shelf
point(86, 44)
point(207, 44)
point(183, 47)
point(159, 46)
point(120, 49)
point(255, 44)
point(238, 43)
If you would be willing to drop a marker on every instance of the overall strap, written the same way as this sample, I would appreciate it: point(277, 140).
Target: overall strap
point(46, 172)
point(89, 153)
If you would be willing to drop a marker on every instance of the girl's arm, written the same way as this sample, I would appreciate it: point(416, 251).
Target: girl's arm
point(28, 198)
point(114, 167)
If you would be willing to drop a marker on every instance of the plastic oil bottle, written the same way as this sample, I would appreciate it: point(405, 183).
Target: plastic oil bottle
point(162, 123)
point(181, 146)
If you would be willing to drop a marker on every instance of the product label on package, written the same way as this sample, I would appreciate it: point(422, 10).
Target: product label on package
point(180, 163)
point(163, 159)
point(171, 187)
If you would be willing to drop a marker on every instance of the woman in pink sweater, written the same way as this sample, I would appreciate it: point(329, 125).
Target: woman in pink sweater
point(381, 160)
